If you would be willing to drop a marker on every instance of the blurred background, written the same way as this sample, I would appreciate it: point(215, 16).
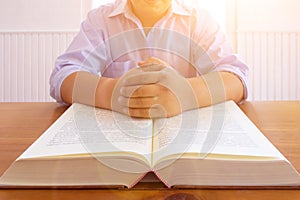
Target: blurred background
point(266, 34)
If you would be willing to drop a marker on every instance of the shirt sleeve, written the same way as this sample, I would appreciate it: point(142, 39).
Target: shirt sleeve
point(214, 52)
point(87, 52)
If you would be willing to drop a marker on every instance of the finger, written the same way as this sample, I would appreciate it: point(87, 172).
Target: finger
point(150, 60)
point(127, 91)
point(141, 63)
point(154, 60)
point(117, 107)
point(150, 77)
point(155, 111)
point(148, 67)
point(147, 102)
point(139, 113)
point(140, 91)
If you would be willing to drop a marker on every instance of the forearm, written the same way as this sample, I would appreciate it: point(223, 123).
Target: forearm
point(89, 89)
point(217, 87)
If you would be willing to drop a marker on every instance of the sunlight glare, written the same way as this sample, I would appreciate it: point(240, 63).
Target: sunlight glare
point(217, 8)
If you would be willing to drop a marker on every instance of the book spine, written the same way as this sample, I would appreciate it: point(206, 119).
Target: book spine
point(161, 179)
point(137, 181)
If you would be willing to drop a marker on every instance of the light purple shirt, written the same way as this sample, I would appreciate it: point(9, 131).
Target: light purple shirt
point(111, 41)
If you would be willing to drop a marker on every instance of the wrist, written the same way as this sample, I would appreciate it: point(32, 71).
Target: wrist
point(105, 88)
point(201, 91)
point(217, 87)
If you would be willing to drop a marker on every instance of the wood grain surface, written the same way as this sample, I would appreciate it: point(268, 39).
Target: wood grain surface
point(22, 123)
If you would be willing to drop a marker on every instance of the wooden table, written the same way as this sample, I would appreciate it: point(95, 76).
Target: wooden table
point(22, 123)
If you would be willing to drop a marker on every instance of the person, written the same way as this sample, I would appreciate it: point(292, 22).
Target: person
point(148, 59)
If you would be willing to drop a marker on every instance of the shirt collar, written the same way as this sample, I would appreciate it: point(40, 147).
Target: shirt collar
point(180, 9)
point(120, 7)
point(177, 8)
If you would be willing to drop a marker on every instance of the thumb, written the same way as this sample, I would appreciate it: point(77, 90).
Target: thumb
point(152, 67)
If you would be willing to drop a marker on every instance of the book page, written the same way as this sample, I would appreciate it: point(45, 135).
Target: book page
point(88, 130)
point(221, 129)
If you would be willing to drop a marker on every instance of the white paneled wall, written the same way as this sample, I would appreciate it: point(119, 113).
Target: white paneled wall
point(26, 62)
point(27, 59)
point(268, 39)
point(274, 59)
point(32, 34)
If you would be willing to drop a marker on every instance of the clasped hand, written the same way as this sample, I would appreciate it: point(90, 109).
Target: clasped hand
point(153, 90)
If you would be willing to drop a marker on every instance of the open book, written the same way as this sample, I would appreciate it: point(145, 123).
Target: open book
point(212, 146)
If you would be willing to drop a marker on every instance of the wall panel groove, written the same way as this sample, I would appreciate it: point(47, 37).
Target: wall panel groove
point(273, 58)
point(26, 62)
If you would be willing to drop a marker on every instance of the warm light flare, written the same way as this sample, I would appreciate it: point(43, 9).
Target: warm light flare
point(217, 8)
